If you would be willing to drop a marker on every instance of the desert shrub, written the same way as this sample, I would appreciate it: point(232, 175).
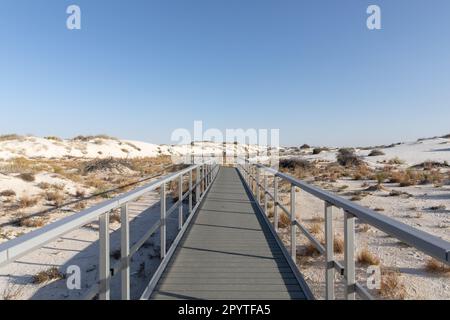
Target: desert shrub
point(54, 138)
point(29, 221)
point(119, 165)
point(433, 176)
point(395, 160)
point(293, 164)
point(44, 185)
point(362, 172)
point(89, 138)
point(305, 146)
point(26, 202)
point(28, 177)
point(7, 193)
point(347, 157)
point(317, 150)
point(435, 266)
point(366, 257)
point(56, 197)
point(47, 275)
point(376, 153)
point(8, 137)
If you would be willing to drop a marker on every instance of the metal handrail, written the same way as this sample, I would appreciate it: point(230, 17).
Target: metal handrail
point(13, 250)
point(425, 242)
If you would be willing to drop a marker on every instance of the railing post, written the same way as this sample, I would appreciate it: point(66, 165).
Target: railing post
point(275, 203)
point(125, 251)
point(197, 185)
point(265, 193)
point(257, 185)
point(190, 191)
point(162, 228)
point(293, 226)
point(329, 258)
point(104, 263)
point(349, 255)
point(180, 199)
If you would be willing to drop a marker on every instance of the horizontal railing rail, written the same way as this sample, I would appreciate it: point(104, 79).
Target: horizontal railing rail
point(256, 175)
point(13, 250)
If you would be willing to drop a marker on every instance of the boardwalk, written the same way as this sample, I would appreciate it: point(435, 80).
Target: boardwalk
point(228, 252)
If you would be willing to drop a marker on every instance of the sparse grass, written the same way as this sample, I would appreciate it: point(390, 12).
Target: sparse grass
point(338, 244)
point(315, 228)
point(8, 193)
point(26, 202)
point(284, 220)
point(28, 221)
point(80, 205)
point(28, 177)
point(12, 292)
point(47, 275)
point(435, 266)
point(366, 257)
point(44, 185)
point(57, 198)
point(391, 285)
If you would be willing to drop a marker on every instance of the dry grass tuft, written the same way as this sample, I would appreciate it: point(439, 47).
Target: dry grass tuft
point(310, 250)
point(391, 285)
point(55, 197)
point(315, 228)
point(8, 193)
point(114, 217)
point(12, 292)
point(366, 257)
point(338, 244)
point(26, 202)
point(47, 275)
point(284, 220)
point(435, 266)
point(28, 221)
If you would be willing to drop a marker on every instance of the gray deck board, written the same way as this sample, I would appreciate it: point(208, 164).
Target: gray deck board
point(228, 252)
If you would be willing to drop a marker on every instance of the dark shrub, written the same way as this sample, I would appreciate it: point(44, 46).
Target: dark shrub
point(305, 146)
point(293, 164)
point(376, 152)
point(347, 157)
point(29, 177)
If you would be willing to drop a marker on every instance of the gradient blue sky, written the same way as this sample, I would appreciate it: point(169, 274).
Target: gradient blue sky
point(140, 69)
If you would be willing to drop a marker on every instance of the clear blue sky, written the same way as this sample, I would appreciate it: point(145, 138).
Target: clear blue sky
point(140, 69)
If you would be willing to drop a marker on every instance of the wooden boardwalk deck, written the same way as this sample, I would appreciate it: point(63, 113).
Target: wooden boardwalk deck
point(228, 251)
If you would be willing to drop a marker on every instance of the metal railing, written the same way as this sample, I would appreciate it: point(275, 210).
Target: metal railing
point(256, 176)
point(205, 174)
